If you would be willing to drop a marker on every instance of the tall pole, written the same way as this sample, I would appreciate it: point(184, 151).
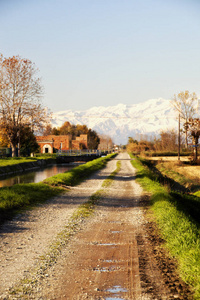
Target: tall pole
point(179, 138)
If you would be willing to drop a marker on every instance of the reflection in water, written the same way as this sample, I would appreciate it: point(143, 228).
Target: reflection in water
point(36, 176)
point(116, 290)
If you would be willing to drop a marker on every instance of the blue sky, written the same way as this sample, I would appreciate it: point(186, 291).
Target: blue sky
point(105, 52)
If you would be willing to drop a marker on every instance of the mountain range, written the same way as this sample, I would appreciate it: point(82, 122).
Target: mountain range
point(145, 119)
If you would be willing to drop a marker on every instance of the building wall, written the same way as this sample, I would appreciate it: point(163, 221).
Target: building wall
point(45, 143)
point(82, 139)
point(75, 145)
point(60, 142)
point(46, 148)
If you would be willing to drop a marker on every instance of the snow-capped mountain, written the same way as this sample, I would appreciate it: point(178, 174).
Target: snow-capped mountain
point(122, 121)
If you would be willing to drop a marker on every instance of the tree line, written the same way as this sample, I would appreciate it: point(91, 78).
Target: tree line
point(186, 105)
point(166, 141)
point(74, 130)
point(22, 114)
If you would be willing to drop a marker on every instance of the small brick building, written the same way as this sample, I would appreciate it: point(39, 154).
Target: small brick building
point(53, 143)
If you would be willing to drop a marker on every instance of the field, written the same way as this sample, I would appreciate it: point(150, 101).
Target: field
point(170, 158)
point(171, 162)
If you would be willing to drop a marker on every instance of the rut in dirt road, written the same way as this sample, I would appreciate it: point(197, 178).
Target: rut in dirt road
point(111, 258)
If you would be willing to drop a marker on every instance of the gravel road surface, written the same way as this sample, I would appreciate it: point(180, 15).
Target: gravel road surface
point(111, 257)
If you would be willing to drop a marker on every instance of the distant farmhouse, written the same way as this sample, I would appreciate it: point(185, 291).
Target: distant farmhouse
point(54, 143)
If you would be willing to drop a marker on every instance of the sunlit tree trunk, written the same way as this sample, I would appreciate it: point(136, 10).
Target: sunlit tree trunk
point(186, 139)
point(14, 150)
point(195, 142)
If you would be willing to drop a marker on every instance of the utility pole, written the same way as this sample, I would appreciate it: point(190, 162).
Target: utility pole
point(179, 138)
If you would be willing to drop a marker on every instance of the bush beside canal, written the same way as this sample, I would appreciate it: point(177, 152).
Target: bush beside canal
point(22, 196)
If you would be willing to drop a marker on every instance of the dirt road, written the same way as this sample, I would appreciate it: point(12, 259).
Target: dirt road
point(113, 256)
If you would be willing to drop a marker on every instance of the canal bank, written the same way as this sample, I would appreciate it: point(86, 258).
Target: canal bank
point(42, 163)
point(21, 197)
point(36, 175)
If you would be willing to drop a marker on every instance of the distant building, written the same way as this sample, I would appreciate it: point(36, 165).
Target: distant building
point(53, 143)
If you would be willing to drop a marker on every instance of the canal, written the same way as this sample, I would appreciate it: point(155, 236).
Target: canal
point(36, 175)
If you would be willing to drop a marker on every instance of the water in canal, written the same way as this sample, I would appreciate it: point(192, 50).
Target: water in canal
point(35, 176)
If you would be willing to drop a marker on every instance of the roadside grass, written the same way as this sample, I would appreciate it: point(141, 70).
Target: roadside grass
point(107, 182)
point(87, 208)
point(179, 228)
point(79, 173)
point(145, 176)
point(9, 161)
point(19, 197)
point(84, 211)
point(190, 201)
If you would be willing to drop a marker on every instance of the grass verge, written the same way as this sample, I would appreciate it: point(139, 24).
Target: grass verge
point(9, 161)
point(22, 196)
point(107, 182)
point(79, 173)
point(180, 230)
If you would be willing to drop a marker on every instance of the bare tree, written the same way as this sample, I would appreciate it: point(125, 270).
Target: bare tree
point(186, 105)
point(168, 140)
point(106, 142)
point(20, 95)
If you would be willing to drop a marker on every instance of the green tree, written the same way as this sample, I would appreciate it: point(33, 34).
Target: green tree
point(55, 131)
point(93, 139)
point(131, 140)
point(4, 142)
point(66, 128)
point(28, 143)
